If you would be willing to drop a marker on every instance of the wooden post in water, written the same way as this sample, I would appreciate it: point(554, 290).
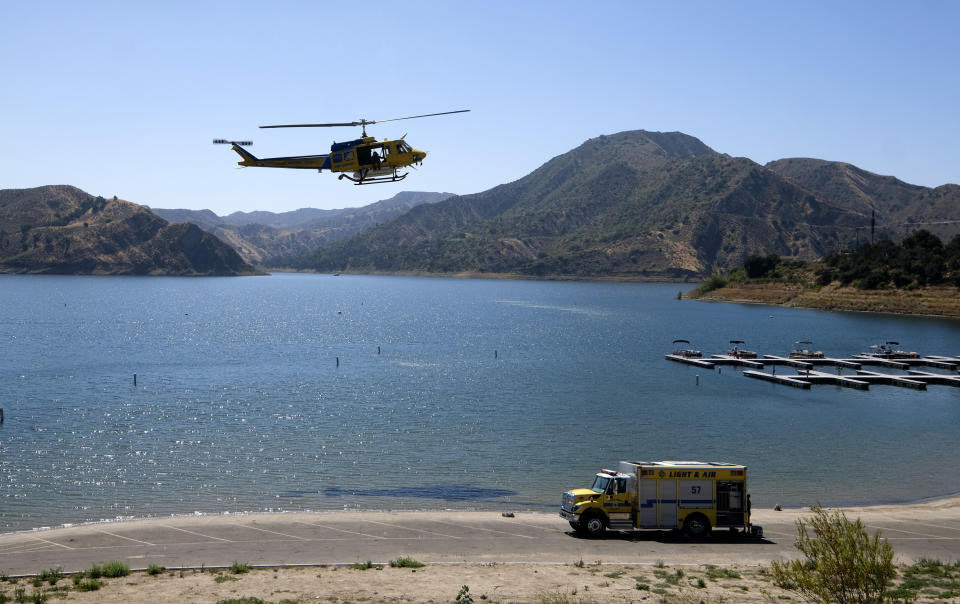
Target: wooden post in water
point(378, 350)
point(338, 361)
point(698, 380)
point(1, 415)
point(495, 354)
point(134, 379)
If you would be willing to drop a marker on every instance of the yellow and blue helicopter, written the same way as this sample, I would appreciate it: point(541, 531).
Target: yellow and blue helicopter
point(364, 160)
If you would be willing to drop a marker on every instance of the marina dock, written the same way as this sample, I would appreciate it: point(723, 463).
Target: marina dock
point(808, 372)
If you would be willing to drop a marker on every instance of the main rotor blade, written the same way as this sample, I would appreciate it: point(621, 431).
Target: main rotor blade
point(424, 115)
point(360, 123)
point(363, 122)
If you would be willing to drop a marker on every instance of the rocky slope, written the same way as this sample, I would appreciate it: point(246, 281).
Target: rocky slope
point(900, 208)
point(63, 230)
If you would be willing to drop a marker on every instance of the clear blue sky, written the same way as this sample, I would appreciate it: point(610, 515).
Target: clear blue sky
point(124, 98)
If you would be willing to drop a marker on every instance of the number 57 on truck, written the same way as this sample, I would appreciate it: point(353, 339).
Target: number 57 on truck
point(694, 496)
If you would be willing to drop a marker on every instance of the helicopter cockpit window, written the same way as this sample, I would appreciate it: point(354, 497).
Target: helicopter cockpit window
point(348, 156)
point(337, 157)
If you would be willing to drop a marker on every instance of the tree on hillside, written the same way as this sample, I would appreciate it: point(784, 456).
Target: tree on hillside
point(952, 257)
point(760, 266)
point(920, 260)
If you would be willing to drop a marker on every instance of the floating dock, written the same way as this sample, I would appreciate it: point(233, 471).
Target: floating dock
point(807, 376)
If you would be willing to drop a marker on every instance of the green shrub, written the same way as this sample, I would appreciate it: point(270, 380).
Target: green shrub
point(88, 584)
point(843, 563)
point(51, 575)
point(112, 569)
point(238, 568)
point(712, 283)
point(155, 569)
point(714, 573)
point(464, 596)
point(405, 562)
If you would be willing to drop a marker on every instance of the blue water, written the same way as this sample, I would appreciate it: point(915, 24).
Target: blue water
point(449, 393)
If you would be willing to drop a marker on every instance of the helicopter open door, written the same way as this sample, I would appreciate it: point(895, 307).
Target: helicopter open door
point(373, 156)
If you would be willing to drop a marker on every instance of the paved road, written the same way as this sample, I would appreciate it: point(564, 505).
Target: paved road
point(931, 530)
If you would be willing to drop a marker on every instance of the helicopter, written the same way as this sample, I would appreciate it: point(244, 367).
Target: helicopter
point(364, 161)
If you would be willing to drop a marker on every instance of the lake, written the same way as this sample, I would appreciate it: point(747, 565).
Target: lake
point(316, 392)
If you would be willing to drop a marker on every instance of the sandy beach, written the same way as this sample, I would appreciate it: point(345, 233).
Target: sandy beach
point(519, 558)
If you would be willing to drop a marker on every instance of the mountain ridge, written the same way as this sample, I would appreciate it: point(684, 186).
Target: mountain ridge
point(60, 229)
point(638, 204)
point(261, 236)
point(632, 205)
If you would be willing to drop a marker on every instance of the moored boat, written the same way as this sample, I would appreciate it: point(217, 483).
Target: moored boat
point(804, 350)
point(890, 350)
point(739, 352)
point(682, 348)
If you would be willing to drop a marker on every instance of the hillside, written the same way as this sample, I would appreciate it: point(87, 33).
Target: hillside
point(901, 208)
point(920, 275)
point(631, 205)
point(268, 238)
point(63, 230)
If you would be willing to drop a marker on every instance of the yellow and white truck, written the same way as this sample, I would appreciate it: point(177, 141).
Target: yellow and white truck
point(694, 496)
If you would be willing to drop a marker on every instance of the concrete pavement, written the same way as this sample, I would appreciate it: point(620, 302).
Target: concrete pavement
point(929, 530)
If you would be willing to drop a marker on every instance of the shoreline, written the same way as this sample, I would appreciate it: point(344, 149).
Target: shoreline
point(934, 301)
point(503, 276)
point(941, 501)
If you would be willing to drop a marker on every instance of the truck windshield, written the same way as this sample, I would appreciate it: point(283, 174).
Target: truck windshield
point(600, 484)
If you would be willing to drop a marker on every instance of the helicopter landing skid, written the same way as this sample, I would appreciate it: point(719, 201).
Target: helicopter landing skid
point(372, 180)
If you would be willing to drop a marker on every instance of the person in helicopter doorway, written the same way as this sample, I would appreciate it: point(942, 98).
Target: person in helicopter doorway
point(375, 160)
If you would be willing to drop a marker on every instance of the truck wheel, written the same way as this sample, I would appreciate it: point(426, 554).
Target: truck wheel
point(575, 526)
point(696, 525)
point(593, 525)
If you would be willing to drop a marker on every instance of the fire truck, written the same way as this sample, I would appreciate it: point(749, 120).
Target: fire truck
point(693, 496)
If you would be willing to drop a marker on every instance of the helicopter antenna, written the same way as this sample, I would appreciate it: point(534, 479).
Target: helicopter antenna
point(363, 122)
point(223, 141)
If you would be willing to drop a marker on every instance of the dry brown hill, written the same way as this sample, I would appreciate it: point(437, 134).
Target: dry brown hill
point(63, 230)
point(644, 205)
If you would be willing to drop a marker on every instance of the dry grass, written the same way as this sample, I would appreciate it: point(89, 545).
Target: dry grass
point(533, 583)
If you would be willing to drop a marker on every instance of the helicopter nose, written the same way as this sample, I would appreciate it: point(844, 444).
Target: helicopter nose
point(418, 155)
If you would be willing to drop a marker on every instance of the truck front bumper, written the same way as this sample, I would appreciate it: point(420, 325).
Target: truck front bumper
point(569, 515)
